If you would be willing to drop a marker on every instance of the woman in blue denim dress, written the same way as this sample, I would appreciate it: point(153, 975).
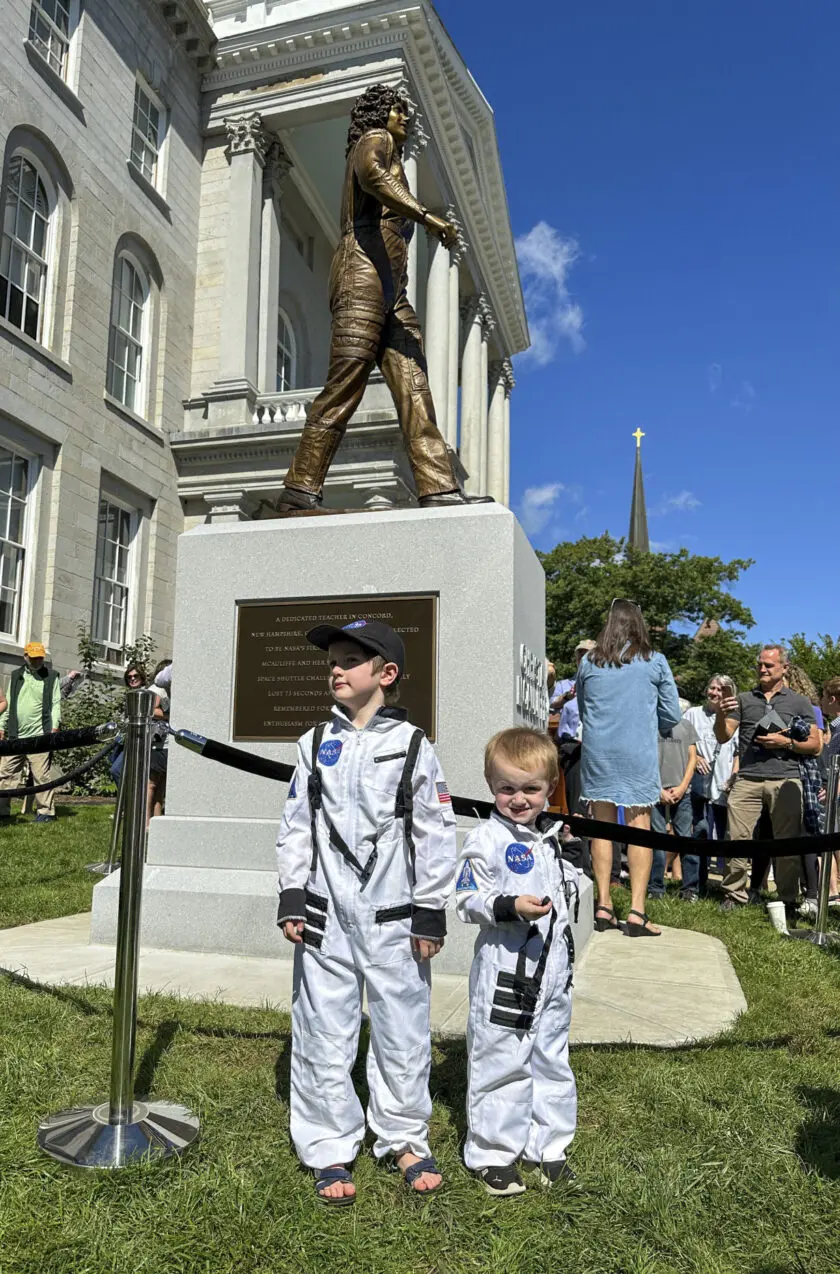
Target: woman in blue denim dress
point(626, 695)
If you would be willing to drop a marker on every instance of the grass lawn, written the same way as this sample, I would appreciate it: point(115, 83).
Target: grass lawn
point(717, 1159)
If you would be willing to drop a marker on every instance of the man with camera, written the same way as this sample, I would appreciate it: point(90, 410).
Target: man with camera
point(776, 727)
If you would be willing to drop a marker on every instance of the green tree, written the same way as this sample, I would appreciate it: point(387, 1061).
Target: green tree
point(819, 658)
point(676, 592)
point(100, 699)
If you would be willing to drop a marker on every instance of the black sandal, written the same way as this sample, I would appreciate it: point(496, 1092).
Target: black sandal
point(601, 926)
point(415, 1170)
point(325, 1177)
point(634, 930)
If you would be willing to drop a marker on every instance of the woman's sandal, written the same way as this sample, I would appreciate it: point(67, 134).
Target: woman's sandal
point(602, 926)
point(325, 1177)
point(415, 1170)
point(634, 930)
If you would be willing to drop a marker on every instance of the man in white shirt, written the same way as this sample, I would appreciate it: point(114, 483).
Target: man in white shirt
point(716, 764)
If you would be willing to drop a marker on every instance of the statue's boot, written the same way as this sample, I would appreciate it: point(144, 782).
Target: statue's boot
point(304, 483)
point(443, 499)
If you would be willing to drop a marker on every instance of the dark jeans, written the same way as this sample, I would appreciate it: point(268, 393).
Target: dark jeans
point(680, 819)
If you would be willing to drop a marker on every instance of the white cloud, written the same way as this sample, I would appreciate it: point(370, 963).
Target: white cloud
point(538, 506)
point(684, 502)
point(545, 260)
point(745, 397)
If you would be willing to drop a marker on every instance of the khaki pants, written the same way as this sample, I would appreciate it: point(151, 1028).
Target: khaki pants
point(782, 798)
point(13, 771)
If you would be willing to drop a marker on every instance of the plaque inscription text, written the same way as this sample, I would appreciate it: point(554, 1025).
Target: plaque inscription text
point(280, 680)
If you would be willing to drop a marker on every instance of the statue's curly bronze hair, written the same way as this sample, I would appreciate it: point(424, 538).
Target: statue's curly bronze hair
point(371, 110)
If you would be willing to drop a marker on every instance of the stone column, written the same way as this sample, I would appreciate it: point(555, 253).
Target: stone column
point(509, 382)
point(248, 143)
point(496, 435)
point(487, 325)
point(456, 256)
point(437, 336)
point(415, 144)
point(471, 394)
point(277, 165)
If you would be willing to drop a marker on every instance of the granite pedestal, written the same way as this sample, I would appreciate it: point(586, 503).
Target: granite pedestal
point(210, 881)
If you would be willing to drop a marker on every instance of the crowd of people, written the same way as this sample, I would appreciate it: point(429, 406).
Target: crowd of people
point(30, 707)
point(740, 766)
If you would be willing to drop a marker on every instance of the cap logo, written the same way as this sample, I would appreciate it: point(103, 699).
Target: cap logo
point(357, 623)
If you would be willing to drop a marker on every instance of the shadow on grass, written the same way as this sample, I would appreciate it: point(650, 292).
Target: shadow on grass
point(818, 1139)
point(149, 1062)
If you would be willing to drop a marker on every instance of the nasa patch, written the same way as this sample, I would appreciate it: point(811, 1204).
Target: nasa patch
point(357, 623)
point(329, 751)
point(519, 858)
point(466, 879)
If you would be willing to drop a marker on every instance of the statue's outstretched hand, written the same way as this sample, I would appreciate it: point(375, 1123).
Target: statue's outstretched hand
point(443, 230)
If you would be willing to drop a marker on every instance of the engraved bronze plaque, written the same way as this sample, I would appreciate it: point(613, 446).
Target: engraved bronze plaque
point(280, 681)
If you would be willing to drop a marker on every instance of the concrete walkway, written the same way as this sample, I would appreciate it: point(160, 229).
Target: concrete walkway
point(644, 992)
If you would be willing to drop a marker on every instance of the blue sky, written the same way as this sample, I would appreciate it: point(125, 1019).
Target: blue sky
point(673, 180)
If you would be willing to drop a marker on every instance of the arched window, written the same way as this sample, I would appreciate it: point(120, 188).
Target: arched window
point(129, 334)
point(25, 247)
point(286, 353)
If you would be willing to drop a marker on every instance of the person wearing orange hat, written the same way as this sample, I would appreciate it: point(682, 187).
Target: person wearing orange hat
point(33, 708)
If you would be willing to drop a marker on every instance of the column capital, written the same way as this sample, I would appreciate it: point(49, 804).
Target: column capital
point(277, 165)
point(507, 376)
point(246, 135)
point(488, 319)
point(418, 136)
point(476, 308)
point(460, 247)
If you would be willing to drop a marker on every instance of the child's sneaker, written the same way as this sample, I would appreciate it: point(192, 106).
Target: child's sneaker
point(550, 1172)
point(502, 1181)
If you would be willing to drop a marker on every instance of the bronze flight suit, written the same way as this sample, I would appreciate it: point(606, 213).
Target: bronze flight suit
point(373, 322)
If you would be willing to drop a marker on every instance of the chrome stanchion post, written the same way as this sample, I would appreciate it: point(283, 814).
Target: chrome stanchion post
point(818, 935)
point(105, 869)
point(123, 1130)
point(831, 812)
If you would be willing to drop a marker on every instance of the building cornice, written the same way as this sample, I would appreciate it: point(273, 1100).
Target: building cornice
point(189, 22)
point(268, 62)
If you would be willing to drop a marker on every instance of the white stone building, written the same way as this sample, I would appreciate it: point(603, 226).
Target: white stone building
point(170, 188)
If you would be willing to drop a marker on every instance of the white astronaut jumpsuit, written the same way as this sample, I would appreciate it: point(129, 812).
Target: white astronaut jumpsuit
point(360, 908)
point(521, 1096)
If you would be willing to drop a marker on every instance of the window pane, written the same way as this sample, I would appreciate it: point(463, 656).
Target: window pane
point(6, 468)
point(7, 612)
point(20, 478)
point(16, 514)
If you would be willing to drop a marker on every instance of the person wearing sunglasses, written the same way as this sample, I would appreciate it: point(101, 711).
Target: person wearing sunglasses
point(626, 697)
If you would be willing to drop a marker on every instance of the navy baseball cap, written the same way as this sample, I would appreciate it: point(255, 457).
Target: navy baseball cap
point(370, 634)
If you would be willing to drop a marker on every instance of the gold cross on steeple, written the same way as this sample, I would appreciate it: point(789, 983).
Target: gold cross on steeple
point(638, 435)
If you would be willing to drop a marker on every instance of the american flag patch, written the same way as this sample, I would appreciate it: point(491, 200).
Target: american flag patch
point(443, 794)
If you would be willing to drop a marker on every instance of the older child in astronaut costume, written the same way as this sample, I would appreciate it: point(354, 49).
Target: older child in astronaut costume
point(521, 1097)
point(366, 854)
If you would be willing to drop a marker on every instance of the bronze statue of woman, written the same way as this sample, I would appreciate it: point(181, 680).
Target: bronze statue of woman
point(372, 320)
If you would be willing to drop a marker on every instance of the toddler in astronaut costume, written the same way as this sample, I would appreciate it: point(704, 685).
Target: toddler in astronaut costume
point(521, 1096)
point(366, 854)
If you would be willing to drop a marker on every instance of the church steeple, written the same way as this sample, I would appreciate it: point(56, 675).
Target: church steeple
point(638, 536)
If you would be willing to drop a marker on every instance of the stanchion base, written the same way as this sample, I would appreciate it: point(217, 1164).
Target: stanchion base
point(83, 1138)
point(818, 939)
point(102, 869)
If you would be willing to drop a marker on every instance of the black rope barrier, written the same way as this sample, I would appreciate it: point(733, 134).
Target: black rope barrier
point(249, 762)
point(7, 793)
point(795, 846)
point(58, 741)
